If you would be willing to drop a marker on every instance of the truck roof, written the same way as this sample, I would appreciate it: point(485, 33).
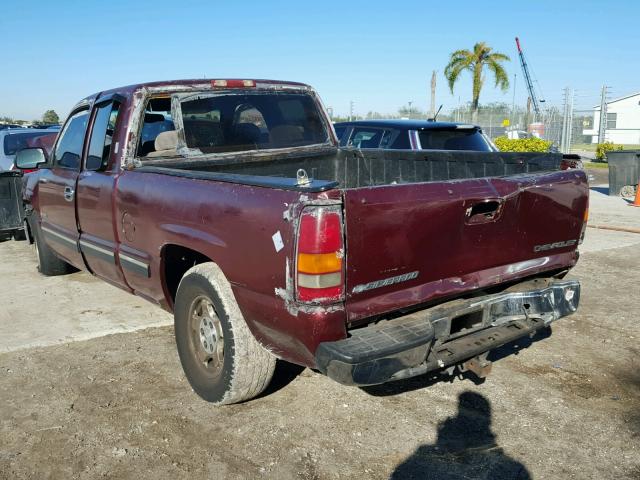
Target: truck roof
point(128, 89)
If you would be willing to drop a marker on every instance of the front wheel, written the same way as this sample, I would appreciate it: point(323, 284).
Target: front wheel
point(220, 357)
point(49, 263)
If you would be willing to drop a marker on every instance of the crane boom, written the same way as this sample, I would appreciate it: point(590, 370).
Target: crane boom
point(527, 77)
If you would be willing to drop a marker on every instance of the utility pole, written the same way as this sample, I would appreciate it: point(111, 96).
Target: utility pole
point(351, 110)
point(567, 121)
point(513, 102)
point(602, 128)
point(570, 120)
point(410, 102)
point(433, 95)
point(563, 135)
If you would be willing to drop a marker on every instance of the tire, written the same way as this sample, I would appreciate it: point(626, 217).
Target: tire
point(49, 264)
point(220, 357)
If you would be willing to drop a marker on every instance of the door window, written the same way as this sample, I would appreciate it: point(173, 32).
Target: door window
point(453, 139)
point(69, 148)
point(104, 125)
point(366, 137)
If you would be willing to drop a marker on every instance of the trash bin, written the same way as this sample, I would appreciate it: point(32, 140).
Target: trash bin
point(624, 170)
point(11, 210)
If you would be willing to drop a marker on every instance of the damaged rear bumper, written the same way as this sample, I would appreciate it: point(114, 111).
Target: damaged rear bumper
point(445, 335)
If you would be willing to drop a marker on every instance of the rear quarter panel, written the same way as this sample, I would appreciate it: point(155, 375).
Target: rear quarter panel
point(233, 225)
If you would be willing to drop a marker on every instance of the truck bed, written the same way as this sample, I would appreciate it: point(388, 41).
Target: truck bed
point(351, 168)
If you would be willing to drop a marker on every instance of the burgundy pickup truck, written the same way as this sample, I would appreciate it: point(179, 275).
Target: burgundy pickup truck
point(229, 203)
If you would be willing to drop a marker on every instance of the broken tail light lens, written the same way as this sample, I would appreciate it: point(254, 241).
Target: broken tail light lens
point(319, 259)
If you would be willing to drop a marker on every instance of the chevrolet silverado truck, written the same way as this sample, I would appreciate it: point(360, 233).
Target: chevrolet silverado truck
point(229, 203)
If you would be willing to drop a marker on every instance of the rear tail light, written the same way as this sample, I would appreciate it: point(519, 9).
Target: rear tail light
point(233, 83)
point(584, 222)
point(319, 262)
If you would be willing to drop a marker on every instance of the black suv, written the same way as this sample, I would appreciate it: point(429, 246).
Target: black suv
point(412, 135)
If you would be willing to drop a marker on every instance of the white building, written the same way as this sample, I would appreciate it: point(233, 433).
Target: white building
point(623, 121)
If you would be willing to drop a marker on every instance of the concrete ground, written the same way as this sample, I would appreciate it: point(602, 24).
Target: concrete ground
point(91, 387)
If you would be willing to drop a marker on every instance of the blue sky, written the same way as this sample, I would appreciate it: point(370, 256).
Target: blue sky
point(378, 54)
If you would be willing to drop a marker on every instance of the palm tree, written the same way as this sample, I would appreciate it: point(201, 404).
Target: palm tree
point(474, 61)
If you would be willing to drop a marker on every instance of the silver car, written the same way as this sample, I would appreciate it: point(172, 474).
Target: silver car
point(14, 139)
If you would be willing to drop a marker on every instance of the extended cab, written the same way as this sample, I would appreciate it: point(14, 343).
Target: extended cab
point(230, 204)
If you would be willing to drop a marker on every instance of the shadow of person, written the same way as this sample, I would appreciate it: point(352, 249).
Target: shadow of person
point(465, 448)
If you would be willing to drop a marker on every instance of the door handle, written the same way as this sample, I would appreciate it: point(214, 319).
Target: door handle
point(68, 194)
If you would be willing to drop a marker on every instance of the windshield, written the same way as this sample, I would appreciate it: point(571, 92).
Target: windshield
point(250, 121)
point(454, 139)
point(18, 141)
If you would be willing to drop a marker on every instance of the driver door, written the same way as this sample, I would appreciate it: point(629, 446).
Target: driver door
point(57, 188)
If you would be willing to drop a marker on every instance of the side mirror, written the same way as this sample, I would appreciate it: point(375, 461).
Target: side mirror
point(30, 158)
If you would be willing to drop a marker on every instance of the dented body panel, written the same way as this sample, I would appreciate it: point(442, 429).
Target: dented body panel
point(429, 230)
point(418, 229)
point(233, 225)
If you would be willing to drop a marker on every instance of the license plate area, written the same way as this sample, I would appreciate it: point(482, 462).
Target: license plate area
point(466, 322)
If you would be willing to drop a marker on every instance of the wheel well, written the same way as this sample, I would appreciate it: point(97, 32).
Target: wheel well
point(176, 261)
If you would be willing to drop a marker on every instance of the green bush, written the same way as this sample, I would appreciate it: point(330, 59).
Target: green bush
point(603, 148)
point(533, 144)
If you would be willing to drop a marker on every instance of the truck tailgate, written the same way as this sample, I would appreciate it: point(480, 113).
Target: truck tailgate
point(407, 244)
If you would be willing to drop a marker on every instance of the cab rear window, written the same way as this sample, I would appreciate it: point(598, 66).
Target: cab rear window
point(453, 139)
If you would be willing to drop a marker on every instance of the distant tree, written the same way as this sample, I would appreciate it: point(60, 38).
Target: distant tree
point(411, 112)
point(374, 115)
point(475, 61)
point(50, 117)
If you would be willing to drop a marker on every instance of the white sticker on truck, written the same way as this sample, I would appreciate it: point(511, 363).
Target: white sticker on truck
point(277, 241)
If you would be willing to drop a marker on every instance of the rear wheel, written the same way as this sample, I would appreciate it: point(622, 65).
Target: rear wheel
point(222, 360)
point(49, 263)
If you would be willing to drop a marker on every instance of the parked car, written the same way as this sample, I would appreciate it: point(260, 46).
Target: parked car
point(268, 241)
point(412, 135)
point(12, 140)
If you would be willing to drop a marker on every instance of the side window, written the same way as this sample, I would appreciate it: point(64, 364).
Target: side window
point(69, 148)
point(340, 132)
point(402, 141)
point(157, 120)
point(366, 137)
point(104, 124)
point(387, 137)
point(449, 139)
